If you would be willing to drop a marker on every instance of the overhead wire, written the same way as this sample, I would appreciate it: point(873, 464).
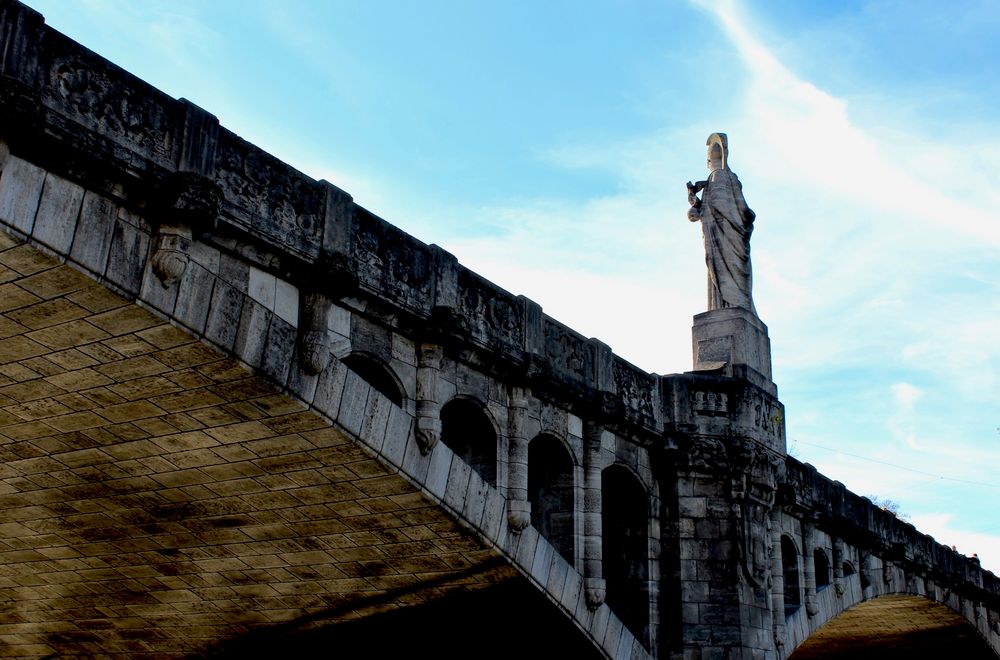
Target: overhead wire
point(898, 467)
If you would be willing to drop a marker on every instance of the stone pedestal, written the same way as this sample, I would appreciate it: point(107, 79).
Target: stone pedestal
point(733, 341)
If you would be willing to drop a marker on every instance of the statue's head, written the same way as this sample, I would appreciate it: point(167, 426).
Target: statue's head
point(718, 151)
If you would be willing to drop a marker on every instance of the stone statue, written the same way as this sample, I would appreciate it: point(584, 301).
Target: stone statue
point(727, 223)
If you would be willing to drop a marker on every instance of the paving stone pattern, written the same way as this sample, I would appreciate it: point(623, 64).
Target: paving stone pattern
point(156, 498)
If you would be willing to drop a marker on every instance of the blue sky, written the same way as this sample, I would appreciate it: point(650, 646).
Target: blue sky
point(547, 144)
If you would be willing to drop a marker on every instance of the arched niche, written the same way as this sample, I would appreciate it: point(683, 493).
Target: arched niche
point(376, 374)
point(790, 570)
point(848, 568)
point(467, 430)
point(625, 548)
point(550, 491)
point(822, 565)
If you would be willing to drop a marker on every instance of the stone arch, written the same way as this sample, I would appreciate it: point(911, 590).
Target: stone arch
point(848, 568)
point(894, 627)
point(822, 565)
point(469, 431)
point(551, 489)
point(625, 516)
point(791, 573)
point(376, 373)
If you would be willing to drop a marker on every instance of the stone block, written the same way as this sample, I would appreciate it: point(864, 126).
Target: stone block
point(261, 287)
point(572, 591)
point(330, 388)
point(58, 210)
point(234, 272)
point(193, 293)
point(127, 257)
point(396, 436)
point(92, 240)
point(723, 338)
point(205, 256)
point(339, 321)
point(301, 383)
point(574, 425)
point(612, 635)
point(224, 311)
point(353, 403)
point(278, 350)
point(252, 333)
point(286, 301)
point(154, 294)
point(691, 507)
point(415, 462)
point(494, 514)
point(373, 428)
point(526, 548)
point(458, 484)
point(475, 499)
point(20, 190)
point(542, 561)
point(438, 470)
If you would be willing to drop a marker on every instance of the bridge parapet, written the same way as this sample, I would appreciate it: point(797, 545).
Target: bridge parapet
point(173, 164)
point(651, 509)
point(862, 551)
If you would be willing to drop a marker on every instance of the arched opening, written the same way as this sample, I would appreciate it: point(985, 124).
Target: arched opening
point(625, 541)
point(790, 570)
point(550, 491)
point(822, 569)
point(375, 374)
point(848, 568)
point(468, 432)
point(895, 627)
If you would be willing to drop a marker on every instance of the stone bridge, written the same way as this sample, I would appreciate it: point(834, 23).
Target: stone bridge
point(240, 413)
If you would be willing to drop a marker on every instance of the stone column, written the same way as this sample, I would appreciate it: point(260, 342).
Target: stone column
point(595, 587)
point(838, 566)
point(518, 506)
point(809, 569)
point(777, 582)
point(313, 337)
point(428, 428)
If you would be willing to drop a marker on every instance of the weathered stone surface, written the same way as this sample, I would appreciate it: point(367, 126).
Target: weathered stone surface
point(153, 484)
point(58, 212)
point(92, 239)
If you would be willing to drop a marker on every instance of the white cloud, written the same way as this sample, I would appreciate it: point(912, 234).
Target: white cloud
point(906, 394)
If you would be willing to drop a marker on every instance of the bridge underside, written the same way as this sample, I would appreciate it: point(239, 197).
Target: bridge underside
point(895, 627)
point(155, 498)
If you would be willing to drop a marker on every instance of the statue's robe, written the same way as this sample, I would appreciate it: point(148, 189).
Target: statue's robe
point(727, 223)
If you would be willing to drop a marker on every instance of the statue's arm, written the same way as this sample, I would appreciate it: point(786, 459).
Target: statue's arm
point(694, 213)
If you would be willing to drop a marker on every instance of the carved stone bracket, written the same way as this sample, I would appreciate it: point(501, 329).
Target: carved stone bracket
point(171, 252)
point(518, 506)
point(314, 338)
point(838, 566)
point(428, 428)
point(595, 591)
point(186, 201)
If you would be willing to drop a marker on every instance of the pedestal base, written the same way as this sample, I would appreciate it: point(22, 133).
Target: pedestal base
point(733, 341)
